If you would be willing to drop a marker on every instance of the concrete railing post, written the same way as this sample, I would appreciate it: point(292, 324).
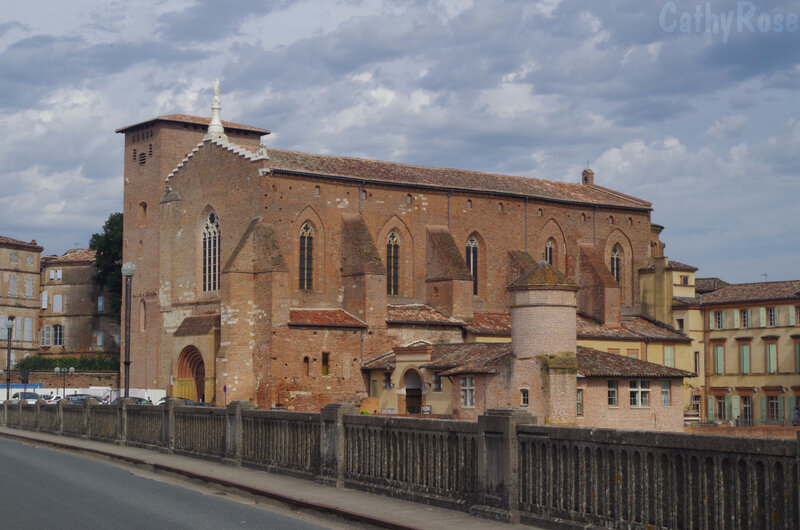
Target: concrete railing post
point(122, 413)
point(3, 417)
point(169, 424)
point(332, 443)
point(88, 407)
point(60, 421)
point(233, 431)
point(498, 466)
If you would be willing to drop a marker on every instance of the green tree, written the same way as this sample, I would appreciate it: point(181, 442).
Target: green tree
point(108, 261)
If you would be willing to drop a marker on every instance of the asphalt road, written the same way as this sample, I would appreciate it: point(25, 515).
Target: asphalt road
point(44, 488)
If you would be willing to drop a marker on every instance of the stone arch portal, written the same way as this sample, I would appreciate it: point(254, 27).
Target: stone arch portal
point(413, 387)
point(191, 380)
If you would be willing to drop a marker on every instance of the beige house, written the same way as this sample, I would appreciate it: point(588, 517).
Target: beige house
point(19, 291)
point(74, 317)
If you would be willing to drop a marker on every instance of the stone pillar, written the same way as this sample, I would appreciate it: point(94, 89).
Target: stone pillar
point(60, 428)
point(3, 418)
point(39, 404)
point(169, 425)
point(233, 432)
point(498, 463)
point(332, 443)
point(122, 414)
point(88, 405)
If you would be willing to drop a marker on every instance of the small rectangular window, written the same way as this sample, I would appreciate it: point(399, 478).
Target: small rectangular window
point(325, 363)
point(579, 401)
point(437, 383)
point(100, 338)
point(52, 274)
point(28, 287)
point(44, 299)
point(468, 391)
point(101, 304)
point(640, 393)
point(772, 317)
point(720, 319)
point(58, 274)
point(612, 393)
point(721, 408)
point(27, 330)
point(697, 362)
point(679, 322)
point(373, 388)
point(745, 317)
point(665, 397)
point(669, 356)
point(524, 397)
point(387, 381)
point(57, 303)
point(13, 258)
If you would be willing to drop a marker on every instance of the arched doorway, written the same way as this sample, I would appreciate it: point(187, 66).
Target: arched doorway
point(413, 387)
point(191, 379)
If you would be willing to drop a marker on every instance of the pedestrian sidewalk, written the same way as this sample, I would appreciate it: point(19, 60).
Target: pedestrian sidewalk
point(347, 503)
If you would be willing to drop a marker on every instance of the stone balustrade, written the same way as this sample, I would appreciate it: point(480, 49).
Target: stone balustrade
point(504, 466)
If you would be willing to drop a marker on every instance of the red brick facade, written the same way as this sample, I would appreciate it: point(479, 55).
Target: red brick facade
point(263, 200)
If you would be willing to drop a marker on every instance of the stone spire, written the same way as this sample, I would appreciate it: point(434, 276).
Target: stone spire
point(215, 128)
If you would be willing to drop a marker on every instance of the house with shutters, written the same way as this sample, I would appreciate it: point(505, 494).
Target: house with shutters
point(19, 292)
point(745, 342)
point(752, 346)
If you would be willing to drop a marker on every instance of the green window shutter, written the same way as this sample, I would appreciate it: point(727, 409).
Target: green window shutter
point(797, 356)
point(791, 407)
point(781, 412)
point(762, 317)
point(710, 408)
point(710, 320)
point(736, 318)
point(735, 408)
point(763, 409)
point(727, 407)
point(724, 322)
point(792, 315)
point(744, 358)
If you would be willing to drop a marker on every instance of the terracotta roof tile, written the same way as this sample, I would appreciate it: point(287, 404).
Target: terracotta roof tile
point(75, 255)
point(324, 318)
point(653, 330)
point(199, 325)
point(596, 363)
point(672, 266)
point(384, 361)
point(588, 328)
point(468, 358)
point(753, 292)
point(419, 314)
point(445, 178)
point(9, 241)
point(543, 275)
point(490, 324)
point(706, 285)
point(197, 120)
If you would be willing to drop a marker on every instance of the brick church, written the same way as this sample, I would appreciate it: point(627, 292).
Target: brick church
point(274, 276)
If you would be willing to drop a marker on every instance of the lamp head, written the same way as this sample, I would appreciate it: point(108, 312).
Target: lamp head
point(10, 322)
point(128, 269)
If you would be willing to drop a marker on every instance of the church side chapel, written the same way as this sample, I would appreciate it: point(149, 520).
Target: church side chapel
point(288, 279)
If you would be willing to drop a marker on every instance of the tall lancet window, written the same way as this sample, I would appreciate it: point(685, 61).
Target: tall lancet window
point(392, 263)
point(616, 262)
point(472, 262)
point(306, 257)
point(548, 251)
point(211, 253)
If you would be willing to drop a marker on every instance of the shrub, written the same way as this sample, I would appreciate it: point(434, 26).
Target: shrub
point(83, 364)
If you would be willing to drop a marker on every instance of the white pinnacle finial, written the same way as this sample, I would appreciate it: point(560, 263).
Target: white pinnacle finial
point(215, 128)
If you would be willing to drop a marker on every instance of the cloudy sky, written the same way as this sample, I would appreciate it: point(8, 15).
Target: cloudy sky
point(691, 105)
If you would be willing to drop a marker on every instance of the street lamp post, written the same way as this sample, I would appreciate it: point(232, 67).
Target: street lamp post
point(64, 372)
point(128, 270)
point(9, 326)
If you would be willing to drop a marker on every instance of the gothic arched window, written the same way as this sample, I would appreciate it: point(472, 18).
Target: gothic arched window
point(472, 262)
point(211, 253)
point(306, 257)
point(548, 251)
point(392, 263)
point(616, 262)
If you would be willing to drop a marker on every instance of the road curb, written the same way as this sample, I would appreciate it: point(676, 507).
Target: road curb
point(292, 501)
